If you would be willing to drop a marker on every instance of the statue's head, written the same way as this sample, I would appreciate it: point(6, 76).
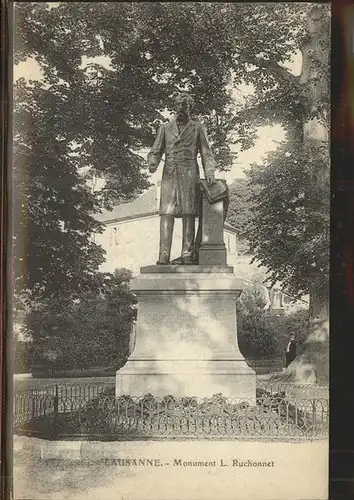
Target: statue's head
point(183, 105)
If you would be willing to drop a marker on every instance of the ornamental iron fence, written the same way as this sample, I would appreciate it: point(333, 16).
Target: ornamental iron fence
point(93, 412)
point(295, 391)
point(82, 390)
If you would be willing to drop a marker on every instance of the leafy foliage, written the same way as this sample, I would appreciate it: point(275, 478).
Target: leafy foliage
point(242, 199)
point(288, 229)
point(55, 257)
point(285, 217)
point(254, 338)
point(93, 332)
point(263, 333)
point(296, 323)
point(240, 207)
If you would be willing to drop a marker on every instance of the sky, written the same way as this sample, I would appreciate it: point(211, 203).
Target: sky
point(268, 136)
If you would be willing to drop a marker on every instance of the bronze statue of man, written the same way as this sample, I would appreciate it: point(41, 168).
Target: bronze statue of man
point(181, 139)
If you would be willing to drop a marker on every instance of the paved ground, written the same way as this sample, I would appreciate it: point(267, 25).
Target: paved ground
point(298, 471)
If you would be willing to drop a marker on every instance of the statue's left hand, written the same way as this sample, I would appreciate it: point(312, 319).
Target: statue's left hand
point(210, 179)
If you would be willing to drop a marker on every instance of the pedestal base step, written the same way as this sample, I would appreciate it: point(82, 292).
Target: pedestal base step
point(179, 268)
point(189, 378)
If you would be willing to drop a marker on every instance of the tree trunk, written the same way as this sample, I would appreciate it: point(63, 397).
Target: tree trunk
point(311, 366)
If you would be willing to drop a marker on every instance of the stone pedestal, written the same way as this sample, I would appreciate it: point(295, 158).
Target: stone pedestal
point(186, 335)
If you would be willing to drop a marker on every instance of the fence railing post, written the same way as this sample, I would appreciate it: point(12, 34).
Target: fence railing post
point(314, 415)
point(56, 411)
point(34, 406)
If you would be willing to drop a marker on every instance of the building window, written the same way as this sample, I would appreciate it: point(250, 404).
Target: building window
point(115, 236)
point(228, 243)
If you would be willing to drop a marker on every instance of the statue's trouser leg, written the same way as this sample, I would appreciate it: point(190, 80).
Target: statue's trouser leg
point(166, 231)
point(188, 222)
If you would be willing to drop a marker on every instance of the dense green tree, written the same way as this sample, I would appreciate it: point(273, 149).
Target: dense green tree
point(262, 332)
point(55, 257)
point(240, 208)
point(93, 332)
point(289, 229)
point(254, 338)
point(242, 198)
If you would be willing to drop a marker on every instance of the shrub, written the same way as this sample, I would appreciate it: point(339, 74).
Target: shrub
point(296, 323)
point(20, 355)
point(92, 332)
point(254, 340)
point(261, 333)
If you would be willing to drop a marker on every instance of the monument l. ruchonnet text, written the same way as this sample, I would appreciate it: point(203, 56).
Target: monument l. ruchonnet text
point(186, 332)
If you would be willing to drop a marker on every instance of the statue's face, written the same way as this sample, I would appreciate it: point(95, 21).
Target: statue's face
point(183, 107)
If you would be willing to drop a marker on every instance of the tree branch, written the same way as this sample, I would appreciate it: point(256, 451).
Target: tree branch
point(275, 67)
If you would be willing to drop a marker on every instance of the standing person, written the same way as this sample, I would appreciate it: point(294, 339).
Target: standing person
point(290, 353)
point(181, 140)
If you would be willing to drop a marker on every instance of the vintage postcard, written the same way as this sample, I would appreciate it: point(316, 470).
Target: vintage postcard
point(170, 225)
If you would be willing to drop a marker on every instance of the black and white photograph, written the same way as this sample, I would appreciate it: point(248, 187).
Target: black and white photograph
point(170, 240)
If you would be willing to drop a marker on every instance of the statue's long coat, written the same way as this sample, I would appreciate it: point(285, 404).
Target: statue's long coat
point(179, 185)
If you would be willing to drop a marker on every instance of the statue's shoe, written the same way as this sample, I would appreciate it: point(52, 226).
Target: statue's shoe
point(180, 261)
point(187, 260)
point(177, 262)
point(163, 260)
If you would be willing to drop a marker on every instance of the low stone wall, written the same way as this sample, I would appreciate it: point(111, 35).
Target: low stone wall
point(266, 364)
point(49, 372)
